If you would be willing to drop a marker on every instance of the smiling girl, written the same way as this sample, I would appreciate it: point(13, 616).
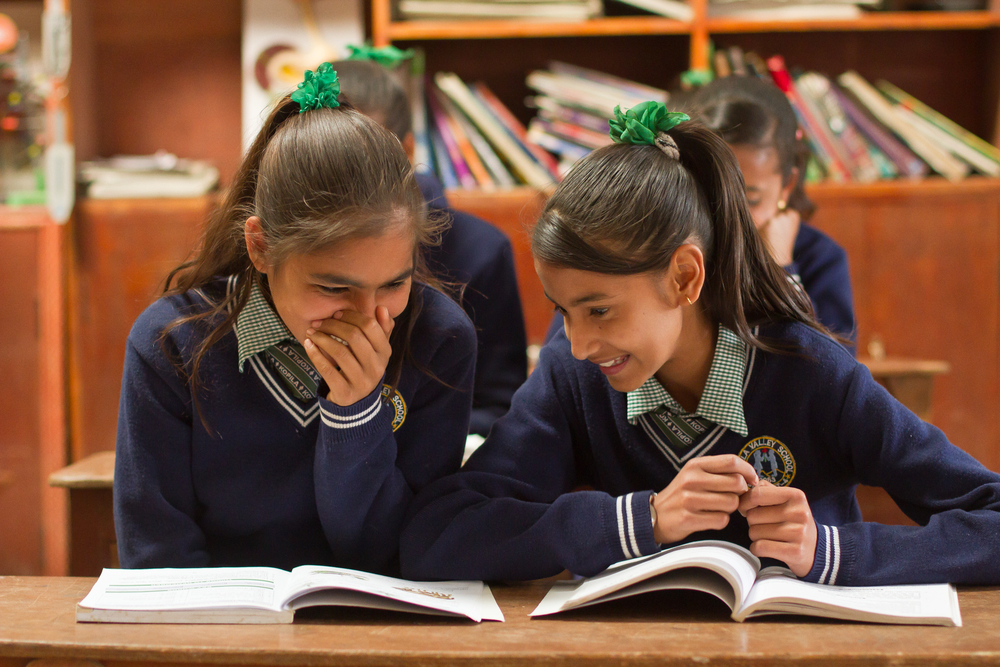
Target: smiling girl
point(694, 396)
point(302, 377)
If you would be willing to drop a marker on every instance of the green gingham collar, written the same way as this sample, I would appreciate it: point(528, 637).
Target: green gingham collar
point(722, 400)
point(258, 327)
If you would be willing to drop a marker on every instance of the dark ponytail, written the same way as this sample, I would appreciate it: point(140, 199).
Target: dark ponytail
point(315, 179)
point(624, 209)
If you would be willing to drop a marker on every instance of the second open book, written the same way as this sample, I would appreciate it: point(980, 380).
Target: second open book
point(734, 575)
point(270, 595)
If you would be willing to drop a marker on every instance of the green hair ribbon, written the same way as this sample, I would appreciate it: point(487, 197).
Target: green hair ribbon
point(319, 90)
point(386, 56)
point(641, 123)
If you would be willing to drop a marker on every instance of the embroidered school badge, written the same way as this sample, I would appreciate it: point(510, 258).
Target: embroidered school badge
point(398, 405)
point(771, 459)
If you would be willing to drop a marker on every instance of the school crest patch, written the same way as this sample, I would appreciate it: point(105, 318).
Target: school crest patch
point(398, 405)
point(771, 459)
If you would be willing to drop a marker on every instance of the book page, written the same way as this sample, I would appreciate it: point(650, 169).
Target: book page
point(736, 567)
point(187, 588)
point(778, 591)
point(311, 585)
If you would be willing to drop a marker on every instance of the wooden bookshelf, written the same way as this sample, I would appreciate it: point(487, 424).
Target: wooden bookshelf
point(978, 20)
point(406, 30)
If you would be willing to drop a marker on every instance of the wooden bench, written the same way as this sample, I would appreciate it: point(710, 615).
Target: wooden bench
point(92, 544)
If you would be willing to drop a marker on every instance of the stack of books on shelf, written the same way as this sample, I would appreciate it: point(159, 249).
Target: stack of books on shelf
point(470, 140)
point(542, 10)
point(573, 107)
point(863, 132)
point(788, 10)
point(147, 176)
point(859, 132)
point(674, 9)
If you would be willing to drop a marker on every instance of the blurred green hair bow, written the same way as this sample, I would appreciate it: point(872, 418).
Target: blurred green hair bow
point(319, 90)
point(386, 56)
point(641, 123)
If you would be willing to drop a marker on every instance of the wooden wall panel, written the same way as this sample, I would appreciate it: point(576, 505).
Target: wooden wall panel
point(515, 212)
point(167, 76)
point(925, 269)
point(122, 252)
point(20, 496)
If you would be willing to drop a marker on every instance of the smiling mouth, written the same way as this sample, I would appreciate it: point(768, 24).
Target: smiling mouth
point(612, 366)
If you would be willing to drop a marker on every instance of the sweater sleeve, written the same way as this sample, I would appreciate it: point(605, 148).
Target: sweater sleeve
point(952, 497)
point(509, 514)
point(154, 499)
point(823, 271)
point(365, 474)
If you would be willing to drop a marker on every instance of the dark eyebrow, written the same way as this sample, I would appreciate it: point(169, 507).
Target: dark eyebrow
point(331, 279)
point(588, 298)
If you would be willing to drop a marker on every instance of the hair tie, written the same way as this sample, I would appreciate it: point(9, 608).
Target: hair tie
point(647, 123)
point(319, 90)
point(667, 144)
point(386, 56)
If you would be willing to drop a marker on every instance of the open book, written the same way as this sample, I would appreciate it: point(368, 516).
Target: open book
point(733, 574)
point(269, 595)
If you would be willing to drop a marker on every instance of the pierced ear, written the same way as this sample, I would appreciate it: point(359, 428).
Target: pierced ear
point(256, 247)
point(687, 269)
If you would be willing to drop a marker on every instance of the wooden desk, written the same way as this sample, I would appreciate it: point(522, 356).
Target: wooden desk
point(37, 622)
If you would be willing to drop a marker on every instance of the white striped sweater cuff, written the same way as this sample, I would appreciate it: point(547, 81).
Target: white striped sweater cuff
point(351, 421)
point(829, 554)
point(634, 527)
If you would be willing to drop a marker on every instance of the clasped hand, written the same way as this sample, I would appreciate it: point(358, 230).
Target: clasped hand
point(709, 489)
point(351, 352)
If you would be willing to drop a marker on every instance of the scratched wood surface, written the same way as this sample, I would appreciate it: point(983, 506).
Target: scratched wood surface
point(37, 622)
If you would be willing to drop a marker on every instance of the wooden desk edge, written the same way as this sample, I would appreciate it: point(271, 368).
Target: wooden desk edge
point(96, 471)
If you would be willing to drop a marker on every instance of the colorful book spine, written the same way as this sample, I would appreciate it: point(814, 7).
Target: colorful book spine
point(501, 176)
point(956, 147)
point(852, 148)
point(943, 122)
point(519, 159)
point(939, 159)
point(550, 110)
point(514, 127)
point(465, 147)
point(906, 161)
point(579, 135)
point(626, 86)
point(570, 152)
point(465, 177)
point(445, 170)
point(822, 147)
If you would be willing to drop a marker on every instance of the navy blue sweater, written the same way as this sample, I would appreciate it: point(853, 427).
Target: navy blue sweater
point(821, 265)
point(274, 480)
point(479, 255)
point(509, 514)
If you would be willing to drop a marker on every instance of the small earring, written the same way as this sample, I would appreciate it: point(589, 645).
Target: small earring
point(782, 204)
point(690, 302)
